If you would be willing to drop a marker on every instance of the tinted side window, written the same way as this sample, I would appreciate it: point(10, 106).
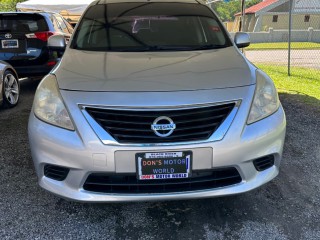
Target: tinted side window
point(55, 24)
point(62, 24)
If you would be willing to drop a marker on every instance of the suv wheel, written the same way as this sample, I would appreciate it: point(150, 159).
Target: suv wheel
point(11, 89)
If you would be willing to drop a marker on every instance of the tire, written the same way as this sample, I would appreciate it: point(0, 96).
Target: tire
point(10, 89)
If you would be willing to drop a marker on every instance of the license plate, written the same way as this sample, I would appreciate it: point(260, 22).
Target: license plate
point(164, 165)
point(12, 43)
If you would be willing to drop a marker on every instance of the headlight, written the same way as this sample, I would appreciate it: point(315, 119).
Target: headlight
point(266, 100)
point(48, 105)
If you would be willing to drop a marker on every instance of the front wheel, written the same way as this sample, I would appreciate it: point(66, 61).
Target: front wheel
point(11, 89)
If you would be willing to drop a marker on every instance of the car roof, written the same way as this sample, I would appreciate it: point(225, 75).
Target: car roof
point(30, 13)
point(25, 13)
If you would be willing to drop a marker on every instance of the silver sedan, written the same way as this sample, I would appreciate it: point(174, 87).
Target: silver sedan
point(153, 100)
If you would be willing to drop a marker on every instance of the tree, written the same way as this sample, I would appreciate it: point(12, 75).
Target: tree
point(227, 10)
point(9, 5)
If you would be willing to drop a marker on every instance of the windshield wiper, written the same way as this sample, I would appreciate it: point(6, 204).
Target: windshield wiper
point(131, 49)
point(171, 48)
point(209, 46)
point(148, 48)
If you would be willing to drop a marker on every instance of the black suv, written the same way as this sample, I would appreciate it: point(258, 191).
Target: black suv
point(23, 40)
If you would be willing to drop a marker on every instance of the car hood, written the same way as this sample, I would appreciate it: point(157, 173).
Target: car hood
point(153, 71)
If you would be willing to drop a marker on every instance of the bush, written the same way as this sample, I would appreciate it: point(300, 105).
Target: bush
point(8, 5)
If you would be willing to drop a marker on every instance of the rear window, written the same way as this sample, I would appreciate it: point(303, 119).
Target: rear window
point(149, 27)
point(22, 23)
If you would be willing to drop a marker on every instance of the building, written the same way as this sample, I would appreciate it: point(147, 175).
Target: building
point(275, 14)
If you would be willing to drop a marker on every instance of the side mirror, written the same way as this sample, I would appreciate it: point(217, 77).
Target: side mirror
point(242, 40)
point(57, 43)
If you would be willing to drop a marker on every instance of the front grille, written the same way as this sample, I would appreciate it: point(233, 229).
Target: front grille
point(130, 126)
point(129, 184)
point(264, 163)
point(56, 172)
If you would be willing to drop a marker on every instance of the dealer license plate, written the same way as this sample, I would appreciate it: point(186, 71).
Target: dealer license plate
point(12, 43)
point(164, 165)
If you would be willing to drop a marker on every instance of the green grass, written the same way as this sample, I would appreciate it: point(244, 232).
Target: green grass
point(283, 45)
point(303, 81)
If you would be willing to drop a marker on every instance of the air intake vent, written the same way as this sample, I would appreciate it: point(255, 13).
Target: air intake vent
point(55, 172)
point(129, 184)
point(264, 163)
point(130, 126)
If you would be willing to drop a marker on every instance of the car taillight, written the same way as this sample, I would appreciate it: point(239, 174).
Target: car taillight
point(51, 63)
point(43, 36)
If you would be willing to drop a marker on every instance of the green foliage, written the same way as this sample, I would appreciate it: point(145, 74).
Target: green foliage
point(303, 81)
point(8, 5)
point(284, 46)
point(226, 11)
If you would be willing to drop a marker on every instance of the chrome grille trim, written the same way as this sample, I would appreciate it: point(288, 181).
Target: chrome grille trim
point(107, 139)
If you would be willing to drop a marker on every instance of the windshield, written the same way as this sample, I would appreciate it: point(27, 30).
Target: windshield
point(149, 27)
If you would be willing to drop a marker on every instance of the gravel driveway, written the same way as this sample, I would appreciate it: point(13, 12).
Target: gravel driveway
point(286, 208)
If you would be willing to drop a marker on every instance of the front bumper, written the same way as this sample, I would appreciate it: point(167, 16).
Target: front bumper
point(242, 144)
point(63, 190)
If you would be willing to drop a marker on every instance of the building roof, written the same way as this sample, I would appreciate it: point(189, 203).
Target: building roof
point(258, 7)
